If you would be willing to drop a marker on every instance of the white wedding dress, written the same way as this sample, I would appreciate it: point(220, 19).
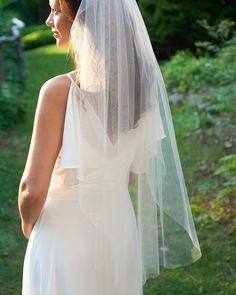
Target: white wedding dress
point(68, 253)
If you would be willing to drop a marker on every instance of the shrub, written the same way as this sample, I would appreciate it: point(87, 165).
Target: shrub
point(173, 24)
point(35, 10)
point(223, 207)
point(12, 107)
point(37, 35)
point(187, 73)
point(6, 17)
point(184, 72)
point(219, 36)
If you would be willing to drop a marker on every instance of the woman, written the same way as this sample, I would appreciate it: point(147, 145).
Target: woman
point(98, 129)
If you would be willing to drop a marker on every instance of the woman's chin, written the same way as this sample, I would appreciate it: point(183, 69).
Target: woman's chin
point(61, 44)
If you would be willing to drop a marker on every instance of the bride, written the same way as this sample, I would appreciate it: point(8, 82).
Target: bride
point(102, 198)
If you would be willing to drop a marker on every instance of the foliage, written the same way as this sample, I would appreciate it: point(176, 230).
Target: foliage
point(37, 35)
point(208, 96)
point(223, 207)
point(12, 107)
point(186, 73)
point(32, 28)
point(173, 24)
point(30, 11)
point(33, 11)
point(206, 87)
point(220, 35)
point(4, 4)
point(6, 17)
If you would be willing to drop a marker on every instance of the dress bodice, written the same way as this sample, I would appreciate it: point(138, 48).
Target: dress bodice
point(82, 147)
point(63, 178)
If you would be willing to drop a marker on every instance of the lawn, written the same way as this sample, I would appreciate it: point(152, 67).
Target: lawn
point(213, 274)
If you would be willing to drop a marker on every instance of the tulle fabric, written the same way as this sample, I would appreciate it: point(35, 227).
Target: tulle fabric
point(120, 122)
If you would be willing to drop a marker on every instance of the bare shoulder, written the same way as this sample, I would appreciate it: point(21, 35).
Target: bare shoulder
point(56, 89)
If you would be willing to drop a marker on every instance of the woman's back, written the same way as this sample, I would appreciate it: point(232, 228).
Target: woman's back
point(78, 245)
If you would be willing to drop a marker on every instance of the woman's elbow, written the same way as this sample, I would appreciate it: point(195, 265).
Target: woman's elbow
point(30, 202)
point(27, 190)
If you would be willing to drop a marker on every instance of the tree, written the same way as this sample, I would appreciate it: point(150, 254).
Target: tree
point(173, 24)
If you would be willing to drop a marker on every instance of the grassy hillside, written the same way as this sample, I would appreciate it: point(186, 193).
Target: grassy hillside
point(204, 119)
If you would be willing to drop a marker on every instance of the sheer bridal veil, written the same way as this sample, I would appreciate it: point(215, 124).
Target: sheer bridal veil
point(123, 106)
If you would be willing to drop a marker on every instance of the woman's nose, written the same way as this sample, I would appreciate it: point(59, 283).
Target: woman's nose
point(49, 20)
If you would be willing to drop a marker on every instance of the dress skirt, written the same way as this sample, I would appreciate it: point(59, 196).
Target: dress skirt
point(68, 254)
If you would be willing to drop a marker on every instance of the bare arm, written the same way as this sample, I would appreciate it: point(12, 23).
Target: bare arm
point(44, 148)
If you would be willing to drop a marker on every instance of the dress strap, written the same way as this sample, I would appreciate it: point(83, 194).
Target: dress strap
point(70, 151)
point(72, 80)
point(68, 75)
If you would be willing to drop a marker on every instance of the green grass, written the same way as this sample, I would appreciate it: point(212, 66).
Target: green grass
point(213, 274)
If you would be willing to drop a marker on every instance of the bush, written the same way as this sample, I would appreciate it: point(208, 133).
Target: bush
point(207, 86)
point(173, 24)
point(187, 73)
point(223, 207)
point(37, 35)
point(6, 17)
point(36, 11)
point(12, 108)
point(219, 36)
